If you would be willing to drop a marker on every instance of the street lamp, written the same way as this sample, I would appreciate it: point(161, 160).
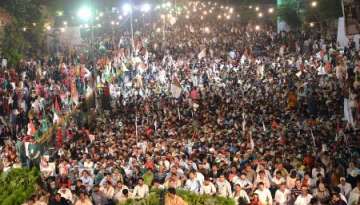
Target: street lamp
point(127, 8)
point(260, 15)
point(312, 24)
point(84, 13)
point(271, 10)
point(257, 27)
point(145, 8)
point(314, 3)
point(59, 13)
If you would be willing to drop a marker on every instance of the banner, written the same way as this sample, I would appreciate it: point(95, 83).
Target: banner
point(352, 16)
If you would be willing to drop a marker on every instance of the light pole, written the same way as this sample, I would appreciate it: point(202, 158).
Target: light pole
point(127, 8)
point(86, 14)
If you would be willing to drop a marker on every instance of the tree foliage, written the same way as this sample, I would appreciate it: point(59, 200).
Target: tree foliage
point(24, 34)
point(18, 185)
point(289, 13)
point(324, 13)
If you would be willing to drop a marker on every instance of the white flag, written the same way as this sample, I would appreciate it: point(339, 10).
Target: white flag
point(175, 90)
point(202, 54)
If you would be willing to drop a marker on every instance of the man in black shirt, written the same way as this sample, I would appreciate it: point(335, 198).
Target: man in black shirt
point(58, 200)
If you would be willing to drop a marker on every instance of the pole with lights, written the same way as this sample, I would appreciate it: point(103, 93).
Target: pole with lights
point(86, 14)
point(127, 9)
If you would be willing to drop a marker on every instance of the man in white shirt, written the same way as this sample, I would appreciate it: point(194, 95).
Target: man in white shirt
point(192, 184)
point(108, 190)
point(119, 191)
point(65, 193)
point(243, 182)
point(223, 187)
point(278, 180)
point(208, 187)
point(141, 190)
point(345, 187)
point(304, 198)
point(282, 195)
point(264, 194)
point(355, 194)
point(240, 194)
point(317, 170)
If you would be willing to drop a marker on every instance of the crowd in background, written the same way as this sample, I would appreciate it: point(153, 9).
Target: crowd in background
point(213, 107)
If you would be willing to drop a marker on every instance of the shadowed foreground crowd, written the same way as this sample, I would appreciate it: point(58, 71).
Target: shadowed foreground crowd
point(261, 117)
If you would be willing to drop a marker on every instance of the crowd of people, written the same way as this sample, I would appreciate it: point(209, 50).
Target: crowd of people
point(208, 105)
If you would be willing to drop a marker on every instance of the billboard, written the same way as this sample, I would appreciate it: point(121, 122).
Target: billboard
point(352, 16)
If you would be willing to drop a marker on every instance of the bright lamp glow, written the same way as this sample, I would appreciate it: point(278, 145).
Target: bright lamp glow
point(260, 15)
point(257, 27)
point(271, 10)
point(145, 8)
point(314, 3)
point(257, 8)
point(127, 8)
point(84, 13)
point(312, 24)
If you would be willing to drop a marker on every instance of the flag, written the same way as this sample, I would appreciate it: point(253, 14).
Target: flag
point(175, 90)
point(55, 118)
point(59, 138)
point(31, 129)
point(56, 105)
point(252, 144)
point(202, 54)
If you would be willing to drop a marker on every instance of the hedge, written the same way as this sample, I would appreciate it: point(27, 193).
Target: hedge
point(18, 185)
point(189, 197)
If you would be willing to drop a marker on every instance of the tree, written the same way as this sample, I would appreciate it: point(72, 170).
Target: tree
point(24, 34)
point(18, 185)
point(289, 13)
point(325, 13)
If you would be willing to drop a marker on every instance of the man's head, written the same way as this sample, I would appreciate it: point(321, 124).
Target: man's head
point(282, 186)
point(242, 176)
point(125, 192)
point(335, 197)
point(261, 186)
point(57, 197)
point(237, 187)
point(222, 178)
point(141, 181)
point(192, 175)
point(172, 191)
point(96, 188)
point(342, 180)
point(304, 190)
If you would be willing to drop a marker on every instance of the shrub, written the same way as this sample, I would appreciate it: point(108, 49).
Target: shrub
point(17, 185)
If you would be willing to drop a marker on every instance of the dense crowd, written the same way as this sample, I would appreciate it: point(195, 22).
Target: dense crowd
point(213, 107)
